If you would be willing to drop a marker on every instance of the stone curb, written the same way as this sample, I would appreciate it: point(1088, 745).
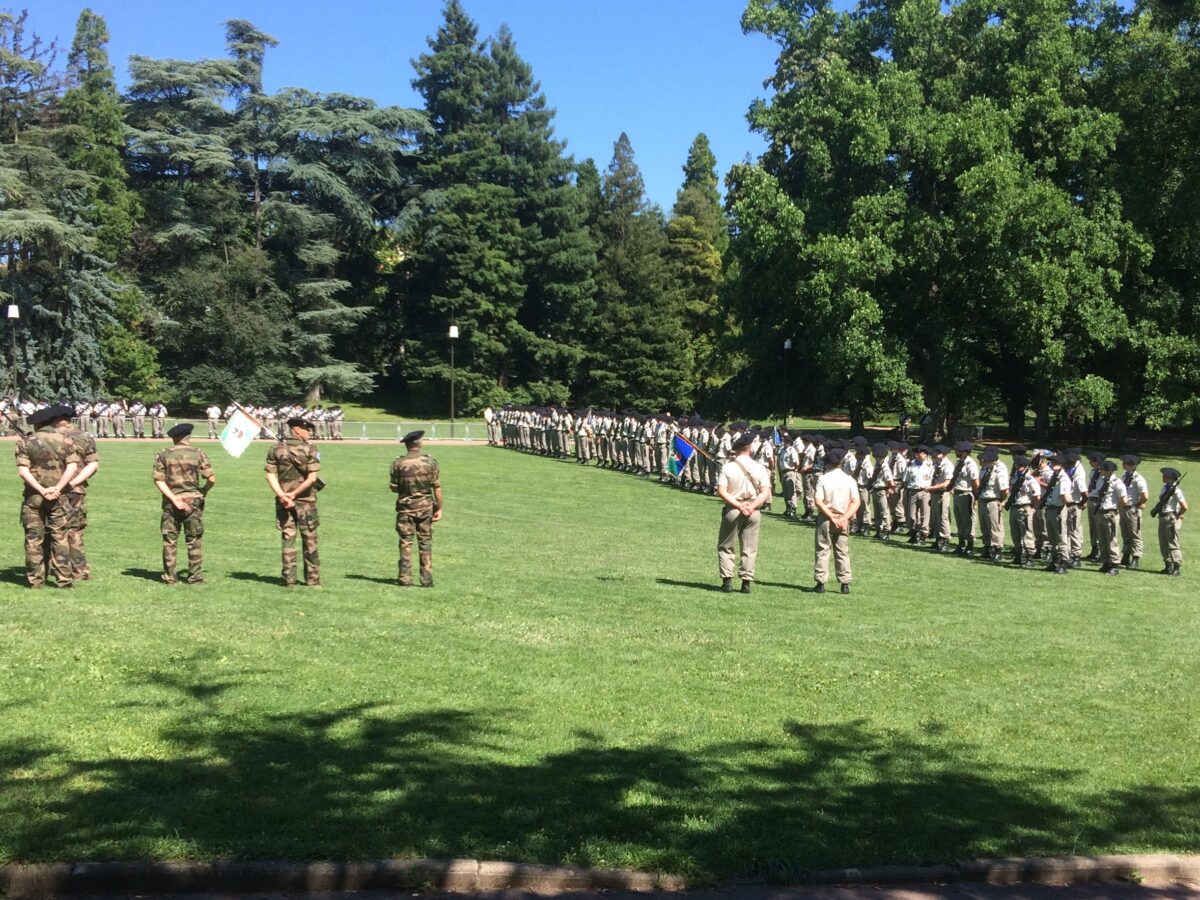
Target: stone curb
point(37, 881)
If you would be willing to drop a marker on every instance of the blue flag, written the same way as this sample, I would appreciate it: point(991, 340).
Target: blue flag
point(681, 452)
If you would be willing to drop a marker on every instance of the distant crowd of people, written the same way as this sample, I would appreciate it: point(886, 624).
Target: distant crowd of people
point(932, 494)
point(122, 418)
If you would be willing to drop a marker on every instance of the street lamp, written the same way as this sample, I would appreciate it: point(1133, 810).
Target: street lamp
point(453, 338)
point(13, 313)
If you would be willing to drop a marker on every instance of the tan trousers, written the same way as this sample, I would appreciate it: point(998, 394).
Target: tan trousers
point(865, 520)
point(964, 515)
point(1108, 523)
point(741, 529)
point(791, 489)
point(1075, 531)
point(989, 523)
point(831, 538)
point(1168, 538)
point(896, 507)
point(1056, 530)
point(1095, 528)
point(1131, 531)
point(1020, 519)
point(918, 512)
point(883, 514)
point(942, 502)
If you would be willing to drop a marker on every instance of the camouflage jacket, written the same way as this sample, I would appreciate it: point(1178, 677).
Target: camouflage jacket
point(47, 452)
point(414, 478)
point(183, 469)
point(85, 444)
point(292, 461)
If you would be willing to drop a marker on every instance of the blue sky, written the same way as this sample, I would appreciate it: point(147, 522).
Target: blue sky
point(660, 70)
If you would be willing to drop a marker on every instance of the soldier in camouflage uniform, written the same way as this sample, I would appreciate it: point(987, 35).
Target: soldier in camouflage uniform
point(46, 462)
point(415, 481)
point(293, 472)
point(178, 473)
point(85, 446)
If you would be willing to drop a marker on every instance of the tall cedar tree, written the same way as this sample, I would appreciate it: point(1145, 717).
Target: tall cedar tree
point(641, 355)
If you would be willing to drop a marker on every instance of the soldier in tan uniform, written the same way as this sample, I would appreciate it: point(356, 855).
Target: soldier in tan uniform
point(46, 462)
point(745, 486)
point(836, 499)
point(184, 476)
point(293, 472)
point(85, 446)
point(416, 482)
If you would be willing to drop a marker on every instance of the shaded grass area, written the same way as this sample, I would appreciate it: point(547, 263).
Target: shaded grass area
point(574, 690)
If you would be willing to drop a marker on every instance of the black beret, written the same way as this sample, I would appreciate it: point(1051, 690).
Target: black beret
point(743, 442)
point(183, 429)
point(1173, 474)
point(298, 422)
point(941, 448)
point(880, 450)
point(50, 414)
point(1095, 456)
point(989, 454)
point(1018, 450)
point(894, 445)
point(1020, 460)
point(1131, 458)
point(413, 436)
point(1071, 456)
point(860, 440)
point(1056, 460)
point(922, 448)
point(835, 456)
point(964, 447)
point(1108, 465)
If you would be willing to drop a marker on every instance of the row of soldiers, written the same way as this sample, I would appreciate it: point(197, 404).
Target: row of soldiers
point(935, 495)
point(100, 418)
point(325, 422)
point(57, 460)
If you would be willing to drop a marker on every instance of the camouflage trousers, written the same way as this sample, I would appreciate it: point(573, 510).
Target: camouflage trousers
point(191, 523)
point(420, 526)
point(46, 524)
point(302, 520)
point(76, 523)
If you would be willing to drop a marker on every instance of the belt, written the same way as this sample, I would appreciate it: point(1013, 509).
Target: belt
point(989, 499)
point(964, 493)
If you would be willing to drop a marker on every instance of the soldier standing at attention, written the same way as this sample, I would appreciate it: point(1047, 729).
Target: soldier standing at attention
point(416, 482)
point(1057, 497)
point(293, 472)
point(178, 472)
point(942, 497)
point(1131, 516)
point(138, 412)
point(213, 414)
point(158, 416)
point(993, 491)
point(1093, 506)
point(918, 479)
point(1110, 498)
point(836, 499)
point(46, 462)
point(89, 461)
point(1024, 492)
point(1170, 520)
point(964, 482)
point(745, 486)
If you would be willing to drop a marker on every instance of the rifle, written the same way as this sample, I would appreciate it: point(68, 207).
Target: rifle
point(16, 424)
point(1158, 507)
point(1014, 487)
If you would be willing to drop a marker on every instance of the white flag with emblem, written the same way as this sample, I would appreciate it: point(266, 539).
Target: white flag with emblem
point(239, 433)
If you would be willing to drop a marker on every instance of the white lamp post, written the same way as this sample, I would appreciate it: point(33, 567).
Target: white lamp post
point(453, 338)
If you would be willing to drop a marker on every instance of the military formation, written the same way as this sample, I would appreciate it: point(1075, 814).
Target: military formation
point(56, 459)
point(1056, 504)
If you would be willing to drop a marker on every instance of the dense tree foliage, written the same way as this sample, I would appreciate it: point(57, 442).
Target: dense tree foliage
point(968, 207)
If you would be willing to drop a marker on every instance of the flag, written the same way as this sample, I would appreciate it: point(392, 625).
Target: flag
point(776, 438)
point(681, 452)
point(240, 432)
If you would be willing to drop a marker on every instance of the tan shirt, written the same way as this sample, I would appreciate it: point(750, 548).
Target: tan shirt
point(743, 484)
point(836, 490)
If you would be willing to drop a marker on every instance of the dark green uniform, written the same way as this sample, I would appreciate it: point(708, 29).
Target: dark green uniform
point(415, 479)
point(184, 469)
point(47, 453)
point(292, 460)
point(85, 444)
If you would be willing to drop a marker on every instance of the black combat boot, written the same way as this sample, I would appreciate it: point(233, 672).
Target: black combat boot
point(1175, 569)
point(726, 585)
point(820, 588)
point(745, 585)
point(1133, 562)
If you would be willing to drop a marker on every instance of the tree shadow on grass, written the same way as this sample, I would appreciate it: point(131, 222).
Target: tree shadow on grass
point(359, 782)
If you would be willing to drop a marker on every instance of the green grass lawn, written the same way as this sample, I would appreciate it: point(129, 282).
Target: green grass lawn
point(574, 690)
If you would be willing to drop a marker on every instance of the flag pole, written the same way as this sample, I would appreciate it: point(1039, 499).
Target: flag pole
point(694, 447)
point(255, 420)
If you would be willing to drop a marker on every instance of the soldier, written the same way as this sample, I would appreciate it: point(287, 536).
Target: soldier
point(118, 411)
point(1170, 520)
point(789, 467)
point(1077, 510)
point(898, 463)
point(1131, 516)
point(46, 462)
point(178, 473)
point(1110, 499)
point(836, 499)
point(1057, 497)
point(918, 479)
point(879, 487)
point(941, 493)
point(418, 488)
point(138, 412)
point(103, 418)
point(993, 489)
point(745, 486)
point(764, 455)
point(213, 414)
point(864, 470)
point(89, 461)
point(158, 419)
point(809, 473)
point(964, 482)
point(1024, 492)
point(293, 472)
point(1093, 503)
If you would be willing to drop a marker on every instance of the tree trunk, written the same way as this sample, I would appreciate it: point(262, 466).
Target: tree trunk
point(858, 423)
point(313, 395)
point(1015, 413)
point(1042, 412)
